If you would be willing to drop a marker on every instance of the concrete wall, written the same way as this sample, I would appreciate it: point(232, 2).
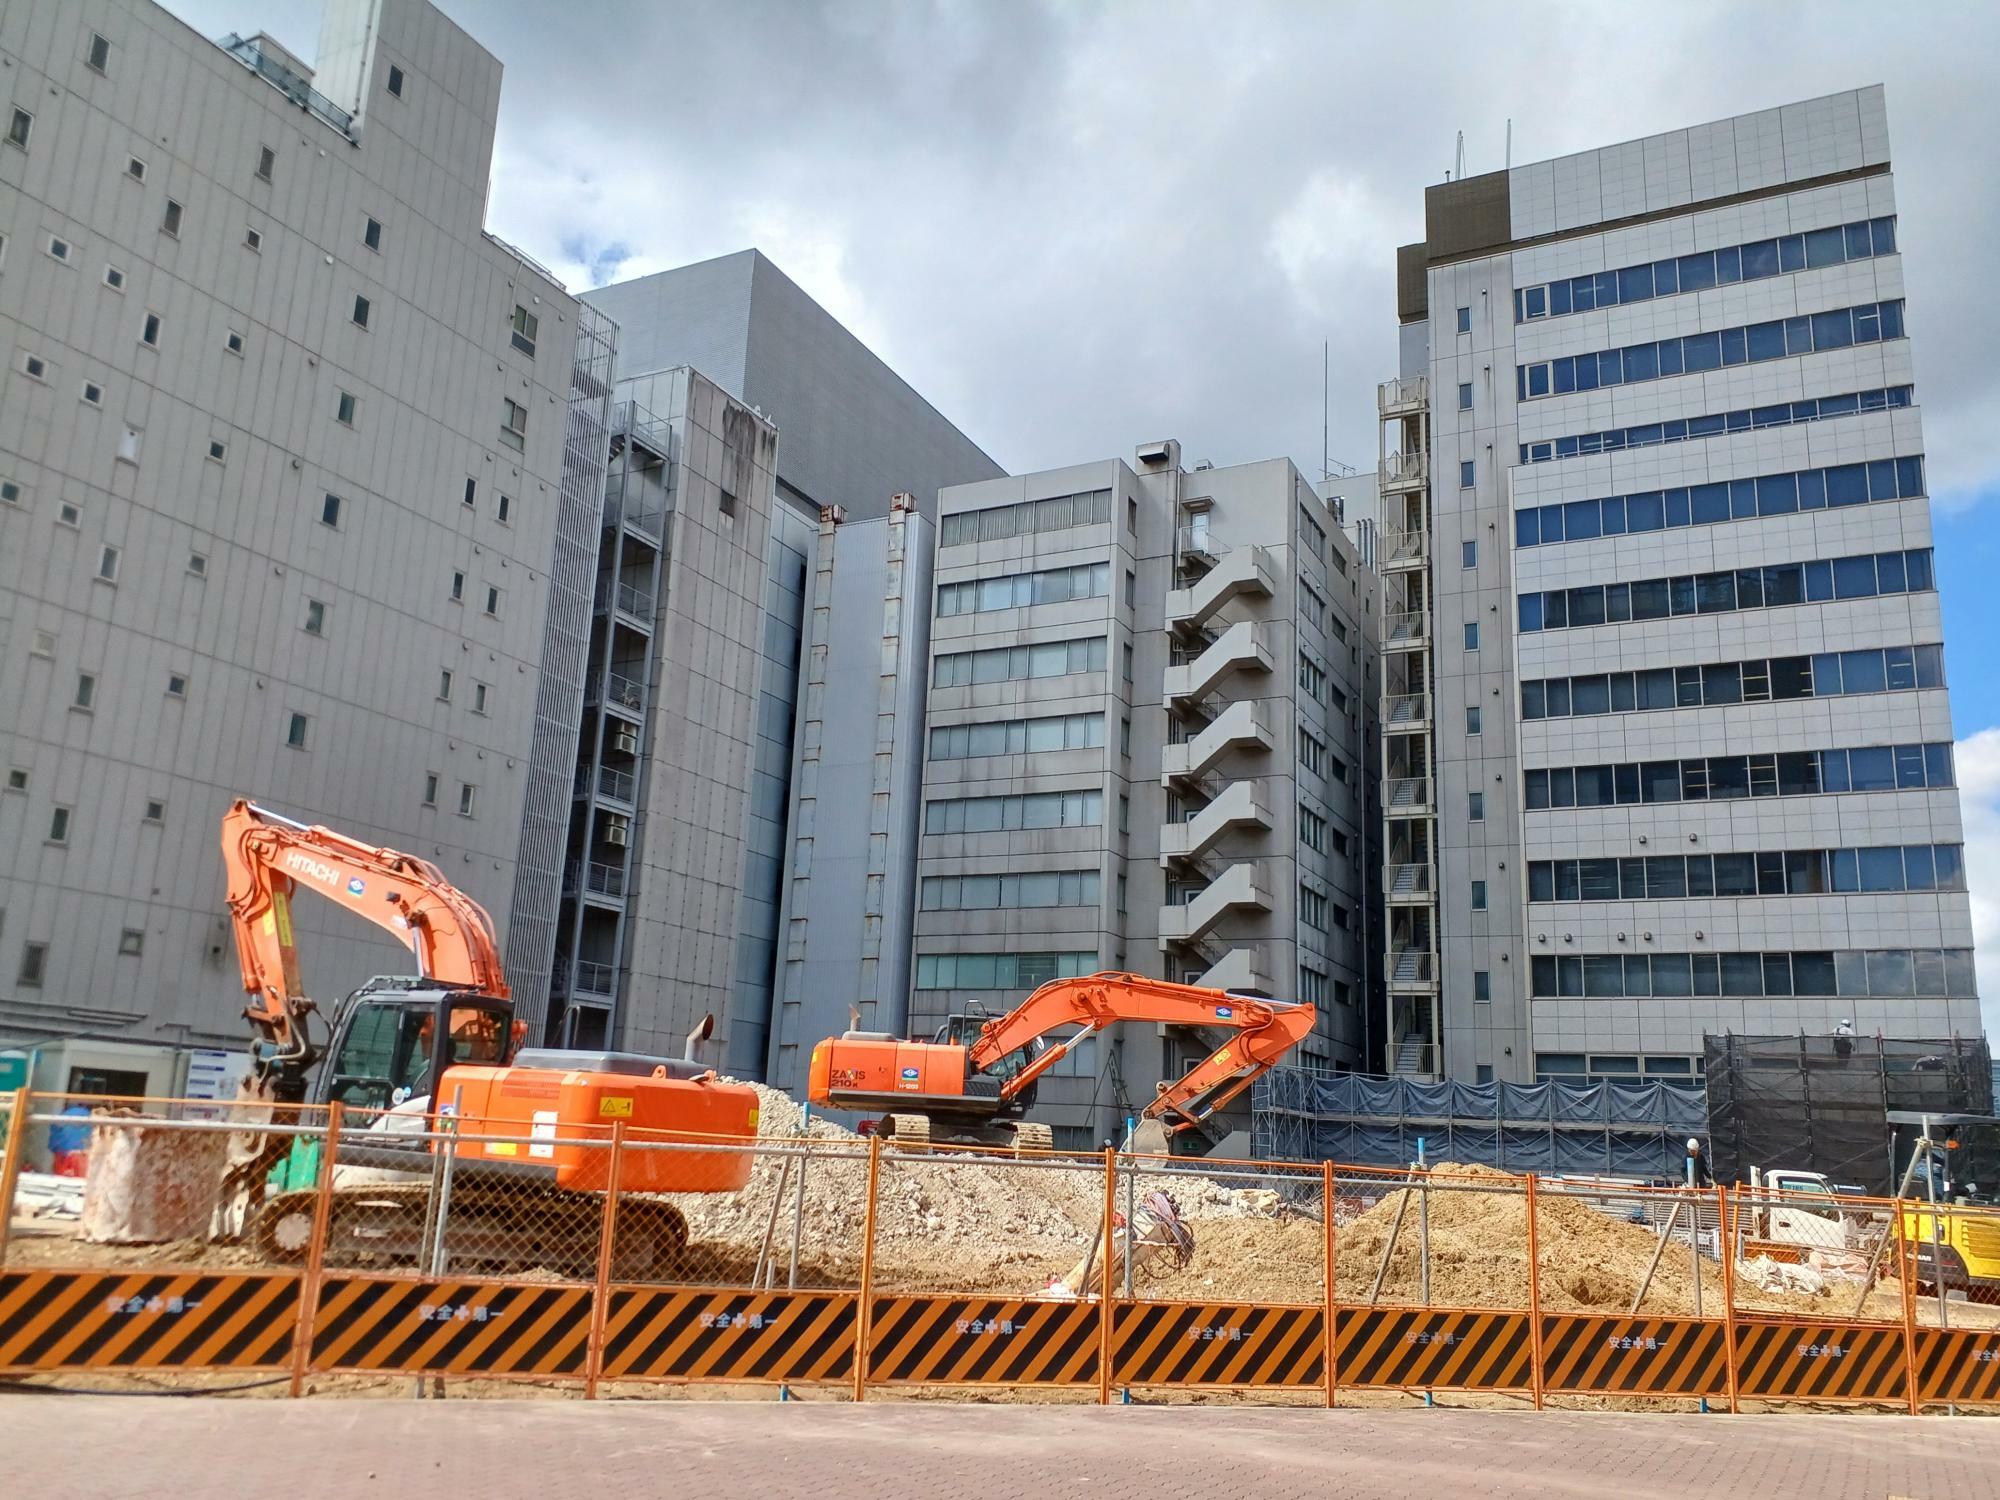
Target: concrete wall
point(429, 373)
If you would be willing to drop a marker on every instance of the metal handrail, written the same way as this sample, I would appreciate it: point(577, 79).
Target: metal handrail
point(1405, 625)
point(1407, 708)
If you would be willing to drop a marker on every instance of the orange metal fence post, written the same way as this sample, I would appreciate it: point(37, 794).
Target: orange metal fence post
point(1326, 1207)
point(1534, 1295)
point(600, 1297)
point(861, 1318)
point(1725, 1226)
point(10, 1163)
point(1909, 1289)
point(315, 1250)
point(1104, 1292)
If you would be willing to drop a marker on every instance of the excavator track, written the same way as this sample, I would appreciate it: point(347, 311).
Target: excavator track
point(1033, 1139)
point(554, 1231)
point(909, 1132)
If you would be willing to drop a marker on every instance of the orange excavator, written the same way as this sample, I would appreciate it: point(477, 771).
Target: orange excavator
point(977, 1075)
point(407, 1053)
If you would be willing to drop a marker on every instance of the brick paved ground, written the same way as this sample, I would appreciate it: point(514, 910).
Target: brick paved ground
point(81, 1448)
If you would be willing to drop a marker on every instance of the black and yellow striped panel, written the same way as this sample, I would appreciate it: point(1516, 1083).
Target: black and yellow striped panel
point(1819, 1362)
point(1193, 1343)
point(1961, 1365)
point(1634, 1356)
point(450, 1327)
point(1420, 1348)
point(92, 1320)
point(974, 1341)
point(658, 1333)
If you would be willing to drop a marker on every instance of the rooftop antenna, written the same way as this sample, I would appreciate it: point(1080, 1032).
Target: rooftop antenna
point(1461, 156)
point(1510, 143)
point(1325, 408)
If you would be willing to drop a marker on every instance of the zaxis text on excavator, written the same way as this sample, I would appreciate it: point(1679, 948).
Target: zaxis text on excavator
point(443, 1042)
point(977, 1076)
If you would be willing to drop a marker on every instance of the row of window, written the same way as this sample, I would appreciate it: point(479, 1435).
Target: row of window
point(1694, 353)
point(1017, 736)
point(1008, 892)
point(1744, 419)
point(1018, 663)
point(1724, 778)
point(1018, 590)
point(1771, 587)
point(1000, 971)
point(1723, 500)
point(1007, 814)
point(1888, 972)
point(1600, 1067)
point(1757, 261)
point(1772, 872)
point(1027, 518)
point(1780, 679)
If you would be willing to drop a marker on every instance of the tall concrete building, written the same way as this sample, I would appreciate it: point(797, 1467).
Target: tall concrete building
point(715, 350)
point(1666, 735)
point(288, 503)
point(1145, 716)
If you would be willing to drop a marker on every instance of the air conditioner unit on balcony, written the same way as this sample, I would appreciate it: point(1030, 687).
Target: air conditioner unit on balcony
point(617, 832)
point(626, 742)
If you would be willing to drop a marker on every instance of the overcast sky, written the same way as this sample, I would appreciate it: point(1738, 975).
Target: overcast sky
point(1077, 227)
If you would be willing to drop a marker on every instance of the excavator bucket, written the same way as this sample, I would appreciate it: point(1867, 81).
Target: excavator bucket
point(1148, 1138)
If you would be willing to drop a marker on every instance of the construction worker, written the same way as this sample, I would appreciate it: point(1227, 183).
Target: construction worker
point(1843, 1039)
point(1698, 1174)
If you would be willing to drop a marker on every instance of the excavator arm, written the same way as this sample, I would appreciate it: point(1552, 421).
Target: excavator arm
point(268, 857)
point(1265, 1031)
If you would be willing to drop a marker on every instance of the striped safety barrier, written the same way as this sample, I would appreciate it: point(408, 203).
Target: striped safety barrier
point(1634, 1356)
point(1418, 1348)
point(1800, 1361)
point(1958, 1365)
point(975, 1341)
point(1217, 1344)
point(119, 1320)
point(447, 1327)
point(660, 1333)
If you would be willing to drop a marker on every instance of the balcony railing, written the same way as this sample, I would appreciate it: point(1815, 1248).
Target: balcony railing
point(1408, 794)
point(1406, 881)
point(594, 978)
point(1404, 468)
point(1403, 546)
point(1197, 544)
point(594, 879)
point(1413, 967)
point(614, 784)
point(623, 692)
point(1397, 395)
point(1408, 628)
point(1407, 709)
point(627, 600)
point(250, 52)
point(651, 524)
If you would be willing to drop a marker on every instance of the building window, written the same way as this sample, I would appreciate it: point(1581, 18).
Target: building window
point(467, 796)
point(315, 620)
point(97, 57)
point(253, 239)
point(1479, 895)
point(1001, 971)
point(1465, 474)
point(1475, 807)
point(91, 393)
point(1744, 419)
point(1468, 554)
point(344, 410)
point(68, 514)
point(360, 312)
point(20, 129)
point(1011, 891)
point(725, 502)
point(34, 367)
point(58, 248)
point(1472, 635)
point(457, 587)
point(1019, 663)
point(267, 161)
point(170, 220)
point(1465, 320)
point(1126, 651)
point(1831, 674)
point(492, 600)
point(371, 234)
point(10, 492)
point(107, 565)
point(135, 169)
point(295, 731)
point(217, 450)
point(526, 327)
point(1030, 810)
point(1482, 987)
point(131, 942)
point(1465, 395)
point(1132, 514)
point(198, 564)
point(59, 825)
point(395, 80)
point(1472, 718)
point(114, 278)
point(233, 343)
point(514, 422)
point(479, 697)
point(430, 789)
point(1017, 737)
point(34, 965)
point(1124, 814)
point(17, 780)
point(471, 499)
point(177, 685)
point(1863, 870)
point(1867, 575)
point(444, 685)
point(1312, 829)
point(329, 511)
point(1131, 589)
point(503, 511)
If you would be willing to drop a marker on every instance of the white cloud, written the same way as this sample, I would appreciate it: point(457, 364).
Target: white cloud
point(1977, 759)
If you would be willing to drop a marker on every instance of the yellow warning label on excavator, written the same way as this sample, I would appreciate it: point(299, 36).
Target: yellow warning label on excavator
point(500, 1148)
point(610, 1106)
point(753, 1118)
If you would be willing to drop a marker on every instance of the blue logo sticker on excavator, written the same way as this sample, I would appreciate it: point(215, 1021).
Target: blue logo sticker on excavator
point(355, 887)
point(1224, 1012)
point(910, 1075)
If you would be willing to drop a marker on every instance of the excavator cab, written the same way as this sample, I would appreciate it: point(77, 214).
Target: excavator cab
point(384, 1052)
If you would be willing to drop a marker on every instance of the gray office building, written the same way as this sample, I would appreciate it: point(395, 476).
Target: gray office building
point(1667, 742)
point(289, 502)
point(1144, 753)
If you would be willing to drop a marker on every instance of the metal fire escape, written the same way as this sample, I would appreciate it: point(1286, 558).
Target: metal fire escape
point(1409, 740)
point(597, 879)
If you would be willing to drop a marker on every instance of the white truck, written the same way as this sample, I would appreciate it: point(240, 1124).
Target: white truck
point(1785, 1206)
